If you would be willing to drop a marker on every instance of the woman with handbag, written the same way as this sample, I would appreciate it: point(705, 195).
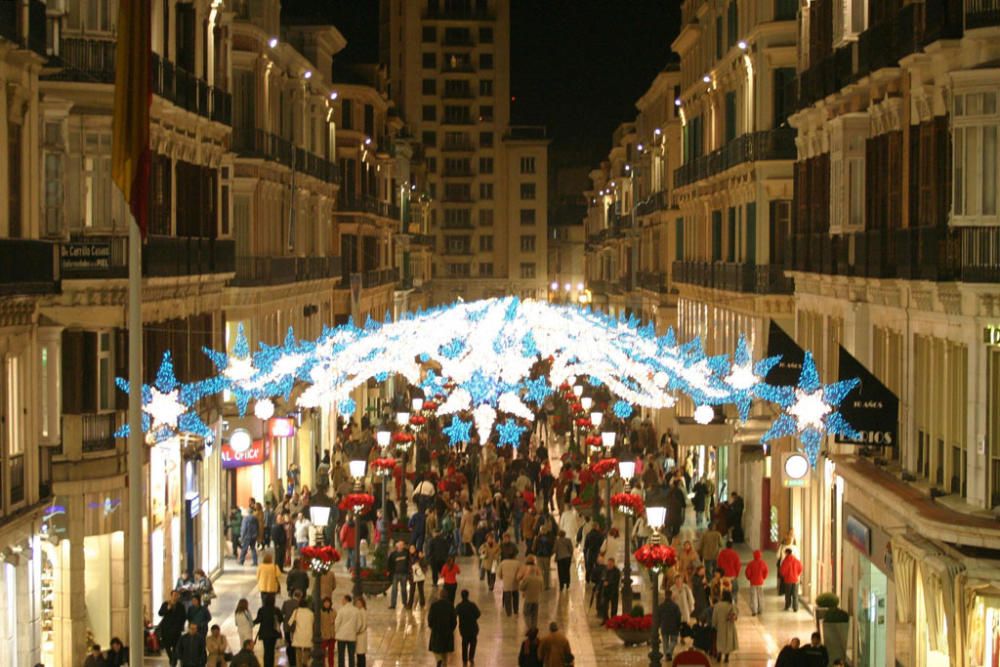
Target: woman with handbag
point(267, 578)
point(418, 574)
point(217, 647)
point(301, 625)
point(269, 620)
point(724, 617)
point(243, 621)
point(490, 559)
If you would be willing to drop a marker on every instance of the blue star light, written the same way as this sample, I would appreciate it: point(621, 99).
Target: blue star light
point(458, 431)
point(537, 390)
point(166, 406)
point(509, 432)
point(347, 407)
point(622, 410)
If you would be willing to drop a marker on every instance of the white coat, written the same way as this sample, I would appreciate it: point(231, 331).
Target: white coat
point(302, 636)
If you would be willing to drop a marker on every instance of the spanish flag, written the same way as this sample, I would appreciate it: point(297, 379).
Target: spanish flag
point(130, 155)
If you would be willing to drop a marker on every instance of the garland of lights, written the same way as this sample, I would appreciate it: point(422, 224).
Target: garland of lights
point(476, 358)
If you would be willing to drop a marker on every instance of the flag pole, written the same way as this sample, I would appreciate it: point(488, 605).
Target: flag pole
point(136, 447)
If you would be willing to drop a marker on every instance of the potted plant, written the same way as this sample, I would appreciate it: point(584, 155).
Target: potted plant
point(824, 601)
point(836, 623)
point(375, 580)
point(632, 628)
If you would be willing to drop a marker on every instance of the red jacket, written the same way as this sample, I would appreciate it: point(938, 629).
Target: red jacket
point(347, 536)
point(756, 571)
point(791, 569)
point(729, 562)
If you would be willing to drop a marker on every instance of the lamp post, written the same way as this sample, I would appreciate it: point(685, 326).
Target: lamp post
point(608, 440)
point(627, 469)
point(655, 516)
point(402, 419)
point(383, 438)
point(319, 516)
point(357, 467)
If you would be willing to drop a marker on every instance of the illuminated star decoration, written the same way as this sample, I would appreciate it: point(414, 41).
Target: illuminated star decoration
point(458, 431)
point(743, 376)
point(537, 390)
point(622, 410)
point(166, 407)
point(509, 432)
point(236, 371)
point(810, 410)
point(347, 407)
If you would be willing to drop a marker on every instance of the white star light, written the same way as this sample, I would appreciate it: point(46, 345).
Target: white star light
point(239, 370)
point(742, 377)
point(809, 409)
point(165, 408)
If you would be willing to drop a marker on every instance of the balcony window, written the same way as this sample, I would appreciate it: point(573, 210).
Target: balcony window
point(486, 88)
point(486, 140)
point(428, 113)
point(429, 35)
point(485, 61)
point(485, 269)
point(486, 191)
point(528, 243)
point(527, 216)
point(527, 270)
point(485, 217)
point(527, 165)
point(457, 270)
point(527, 190)
point(429, 87)
point(485, 165)
point(89, 15)
point(975, 127)
point(486, 35)
point(429, 60)
point(486, 243)
point(429, 138)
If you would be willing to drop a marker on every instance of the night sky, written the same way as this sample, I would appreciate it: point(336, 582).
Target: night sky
point(578, 66)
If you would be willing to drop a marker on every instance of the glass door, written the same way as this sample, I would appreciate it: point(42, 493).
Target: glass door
point(871, 614)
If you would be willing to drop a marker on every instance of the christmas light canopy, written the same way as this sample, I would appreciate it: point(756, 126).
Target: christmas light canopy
point(480, 359)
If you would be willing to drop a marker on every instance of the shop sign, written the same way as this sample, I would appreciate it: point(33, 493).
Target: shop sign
point(194, 505)
point(282, 427)
point(872, 409)
point(859, 534)
point(786, 372)
point(240, 456)
point(83, 256)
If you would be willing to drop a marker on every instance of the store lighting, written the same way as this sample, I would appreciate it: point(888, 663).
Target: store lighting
point(706, 79)
point(742, 45)
point(596, 418)
point(608, 439)
point(587, 402)
point(273, 42)
point(555, 286)
point(334, 95)
point(357, 467)
point(657, 132)
point(417, 404)
point(263, 409)
point(579, 287)
point(640, 147)
point(308, 74)
point(677, 101)
point(402, 418)
point(567, 287)
point(383, 438)
point(704, 414)
point(626, 469)
point(628, 167)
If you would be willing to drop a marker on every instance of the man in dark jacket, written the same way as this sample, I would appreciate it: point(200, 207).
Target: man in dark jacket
point(249, 532)
point(417, 526)
point(198, 614)
point(814, 654)
point(563, 550)
point(287, 608)
point(790, 655)
point(191, 648)
point(591, 548)
point(543, 547)
point(172, 615)
point(676, 502)
point(468, 626)
point(669, 622)
point(279, 536)
point(298, 579)
point(437, 554)
point(245, 658)
point(398, 563)
point(700, 501)
point(441, 620)
point(269, 619)
point(611, 586)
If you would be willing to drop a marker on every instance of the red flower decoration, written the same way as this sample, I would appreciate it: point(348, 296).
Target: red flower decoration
point(430, 406)
point(594, 441)
point(402, 437)
point(628, 503)
point(583, 422)
point(384, 466)
point(580, 502)
point(319, 559)
point(418, 420)
point(604, 467)
point(359, 502)
point(586, 476)
point(626, 622)
point(576, 407)
point(655, 556)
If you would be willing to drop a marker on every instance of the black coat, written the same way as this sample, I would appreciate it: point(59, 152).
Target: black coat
point(298, 580)
point(790, 657)
point(442, 621)
point(468, 618)
point(171, 623)
point(439, 549)
point(814, 656)
point(269, 619)
point(190, 650)
point(116, 658)
point(669, 617)
point(279, 536)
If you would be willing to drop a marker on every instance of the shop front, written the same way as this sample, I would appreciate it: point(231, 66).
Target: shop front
point(869, 589)
point(25, 592)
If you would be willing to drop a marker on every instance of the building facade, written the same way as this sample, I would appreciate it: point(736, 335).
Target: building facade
point(895, 253)
point(449, 75)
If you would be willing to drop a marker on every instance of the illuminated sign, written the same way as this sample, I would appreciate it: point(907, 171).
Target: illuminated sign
point(991, 335)
point(282, 428)
point(795, 470)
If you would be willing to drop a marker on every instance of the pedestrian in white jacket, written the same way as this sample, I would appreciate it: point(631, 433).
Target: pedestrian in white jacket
point(302, 634)
point(569, 521)
point(346, 629)
point(362, 645)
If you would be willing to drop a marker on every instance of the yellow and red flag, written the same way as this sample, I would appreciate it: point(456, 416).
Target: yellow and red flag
point(130, 155)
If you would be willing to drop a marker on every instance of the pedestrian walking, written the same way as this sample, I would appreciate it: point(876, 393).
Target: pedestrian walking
point(610, 588)
point(724, 617)
point(345, 628)
point(531, 584)
point(709, 547)
point(441, 620)
point(267, 578)
point(269, 619)
point(398, 564)
point(288, 609)
point(468, 627)
point(327, 629)
point(117, 655)
point(669, 621)
point(489, 559)
point(729, 563)
point(449, 575)
point(791, 570)
point(509, 568)
point(361, 644)
point(301, 625)
point(790, 655)
point(756, 574)
point(683, 597)
point(172, 619)
point(95, 658)
point(814, 654)
point(249, 534)
point(528, 656)
point(191, 651)
point(418, 575)
point(217, 646)
point(563, 551)
point(199, 615)
point(554, 649)
point(246, 657)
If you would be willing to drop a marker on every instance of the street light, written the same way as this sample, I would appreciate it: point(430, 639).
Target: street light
point(578, 390)
point(402, 418)
point(608, 440)
point(319, 515)
point(656, 514)
point(357, 468)
point(417, 404)
point(627, 470)
point(587, 402)
point(383, 438)
point(596, 418)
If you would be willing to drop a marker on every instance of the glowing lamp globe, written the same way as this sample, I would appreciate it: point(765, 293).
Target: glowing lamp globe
point(578, 390)
point(358, 468)
point(596, 418)
point(402, 418)
point(383, 438)
point(704, 414)
point(608, 439)
point(655, 516)
point(626, 469)
point(417, 404)
point(263, 409)
point(319, 515)
point(240, 440)
point(587, 402)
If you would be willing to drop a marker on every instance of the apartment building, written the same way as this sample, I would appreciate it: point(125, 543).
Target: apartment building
point(895, 253)
point(449, 74)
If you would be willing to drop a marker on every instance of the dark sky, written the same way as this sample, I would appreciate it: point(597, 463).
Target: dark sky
point(578, 66)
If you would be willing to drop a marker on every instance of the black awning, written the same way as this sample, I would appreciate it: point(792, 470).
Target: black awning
point(872, 409)
point(787, 371)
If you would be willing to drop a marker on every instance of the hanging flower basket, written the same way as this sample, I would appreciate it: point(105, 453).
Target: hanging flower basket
point(319, 559)
point(583, 422)
point(418, 420)
point(430, 406)
point(655, 556)
point(605, 468)
point(594, 441)
point(402, 437)
point(628, 503)
point(383, 467)
point(357, 502)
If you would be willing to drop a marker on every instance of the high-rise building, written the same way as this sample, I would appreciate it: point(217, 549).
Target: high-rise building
point(449, 74)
